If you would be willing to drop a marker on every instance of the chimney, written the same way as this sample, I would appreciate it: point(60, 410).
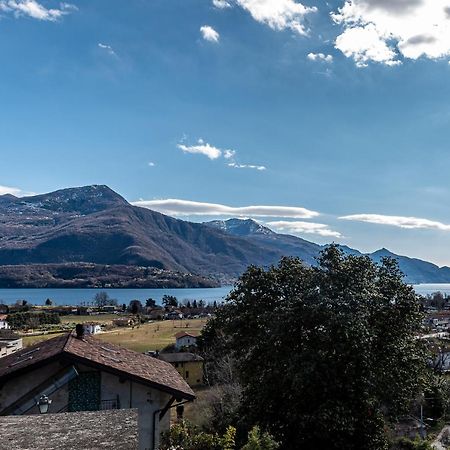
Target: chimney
point(79, 330)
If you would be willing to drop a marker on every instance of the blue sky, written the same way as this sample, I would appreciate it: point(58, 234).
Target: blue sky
point(337, 111)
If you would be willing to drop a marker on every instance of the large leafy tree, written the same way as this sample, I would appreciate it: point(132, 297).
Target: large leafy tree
point(325, 355)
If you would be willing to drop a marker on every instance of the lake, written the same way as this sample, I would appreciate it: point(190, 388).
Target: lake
point(86, 296)
point(424, 289)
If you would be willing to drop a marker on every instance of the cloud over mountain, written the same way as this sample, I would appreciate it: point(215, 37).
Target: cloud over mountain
point(398, 221)
point(299, 227)
point(177, 207)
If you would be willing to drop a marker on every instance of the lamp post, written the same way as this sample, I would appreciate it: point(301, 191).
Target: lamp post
point(43, 404)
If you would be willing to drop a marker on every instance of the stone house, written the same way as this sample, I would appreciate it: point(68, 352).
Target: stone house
point(80, 373)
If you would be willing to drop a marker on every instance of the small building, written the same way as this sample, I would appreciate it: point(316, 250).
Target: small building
point(185, 339)
point(4, 322)
point(174, 315)
point(79, 373)
point(188, 365)
point(156, 313)
point(123, 322)
point(10, 342)
point(92, 328)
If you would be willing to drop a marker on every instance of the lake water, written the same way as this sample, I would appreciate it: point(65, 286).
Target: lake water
point(424, 289)
point(86, 296)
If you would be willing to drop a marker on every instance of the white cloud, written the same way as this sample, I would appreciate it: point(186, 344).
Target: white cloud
point(14, 191)
point(221, 4)
point(35, 10)
point(151, 164)
point(9, 190)
point(383, 31)
point(228, 154)
point(277, 14)
point(176, 207)
point(398, 221)
point(212, 152)
point(107, 48)
point(202, 148)
point(246, 166)
point(320, 57)
point(299, 227)
point(209, 33)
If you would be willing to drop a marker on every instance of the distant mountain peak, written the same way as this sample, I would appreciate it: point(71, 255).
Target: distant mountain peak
point(82, 200)
point(240, 227)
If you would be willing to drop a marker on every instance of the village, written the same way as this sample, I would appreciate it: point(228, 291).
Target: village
point(137, 357)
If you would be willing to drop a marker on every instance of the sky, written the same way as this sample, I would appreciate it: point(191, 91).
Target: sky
point(327, 120)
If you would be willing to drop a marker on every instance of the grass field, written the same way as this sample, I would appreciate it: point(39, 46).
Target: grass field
point(31, 340)
point(105, 319)
point(151, 336)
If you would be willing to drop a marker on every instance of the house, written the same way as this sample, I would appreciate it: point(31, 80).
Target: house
point(123, 322)
point(188, 365)
point(92, 328)
point(10, 343)
point(174, 315)
point(4, 322)
point(110, 429)
point(156, 313)
point(185, 339)
point(79, 373)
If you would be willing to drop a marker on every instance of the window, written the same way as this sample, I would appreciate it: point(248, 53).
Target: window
point(187, 374)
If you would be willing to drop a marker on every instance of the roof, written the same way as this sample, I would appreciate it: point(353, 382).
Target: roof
point(67, 431)
point(102, 355)
point(185, 333)
point(180, 357)
point(3, 316)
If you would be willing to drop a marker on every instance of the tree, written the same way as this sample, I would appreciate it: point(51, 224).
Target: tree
point(325, 355)
point(260, 441)
point(201, 304)
point(135, 307)
point(150, 303)
point(48, 302)
point(102, 299)
point(169, 300)
point(194, 304)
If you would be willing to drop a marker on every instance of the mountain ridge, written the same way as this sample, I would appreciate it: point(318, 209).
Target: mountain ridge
point(94, 224)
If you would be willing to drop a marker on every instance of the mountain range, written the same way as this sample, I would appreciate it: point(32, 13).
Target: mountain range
point(94, 224)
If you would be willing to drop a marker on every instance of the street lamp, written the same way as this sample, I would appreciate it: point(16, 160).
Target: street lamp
point(43, 404)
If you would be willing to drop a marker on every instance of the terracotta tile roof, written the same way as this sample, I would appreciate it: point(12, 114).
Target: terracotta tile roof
point(108, 357)
point(179, 357)
point(185, 333)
